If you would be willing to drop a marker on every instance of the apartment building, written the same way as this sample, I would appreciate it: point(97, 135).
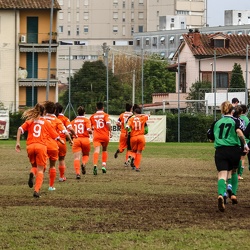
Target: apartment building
point(24, 53)
point(166, 42)
point(236, 17)
point(85, 25)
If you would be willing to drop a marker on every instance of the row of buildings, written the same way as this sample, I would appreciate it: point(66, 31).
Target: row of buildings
point(41, 48)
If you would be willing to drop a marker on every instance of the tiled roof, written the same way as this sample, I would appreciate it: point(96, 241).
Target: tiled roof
point(28, 4)
point(201, 45)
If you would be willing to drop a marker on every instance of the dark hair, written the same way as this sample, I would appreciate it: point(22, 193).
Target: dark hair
point(137, 110)
point(244, 108)
point(81, 110)
point(49, 107)
point(99, 105)
point(234, 100)
point(59, 108)
point(128, 107)
point(237, 111)
point(135, 106)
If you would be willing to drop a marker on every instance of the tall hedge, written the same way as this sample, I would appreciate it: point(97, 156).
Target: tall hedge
point(193, 127)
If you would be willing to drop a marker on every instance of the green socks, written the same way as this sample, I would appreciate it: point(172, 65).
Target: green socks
point(222, 186)
point(234, 183)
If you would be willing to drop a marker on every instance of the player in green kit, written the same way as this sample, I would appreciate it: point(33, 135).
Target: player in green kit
point(227, 134)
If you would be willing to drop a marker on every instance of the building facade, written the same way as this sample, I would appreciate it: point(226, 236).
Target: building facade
point(166, 42)
point(237, 17)
point(84, 26)
point(24, 54)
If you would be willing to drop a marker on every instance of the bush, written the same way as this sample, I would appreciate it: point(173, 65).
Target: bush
point(193, 127)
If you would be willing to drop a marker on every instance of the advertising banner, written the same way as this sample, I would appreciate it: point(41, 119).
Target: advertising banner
point(156, 128)
point(4, 124)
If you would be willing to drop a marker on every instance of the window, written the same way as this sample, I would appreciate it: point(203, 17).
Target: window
point(86, 2)
point(61, 15)
point(157, 13)
point(239, 14)
point(141, 1)
point(60, 2)
point(182, 25)
point(77, 16)
point(182, 12)
point(69, 30)
point(60, 29)
point(115, 29)
point(147, 41)
point(222, 79)
point(140, 15)
point(123, 16)
point(68, 3)
point(171, 40)
point(85, 28)
point(69, 16)
point(115, 15)
point(219, 43)
point(140, 28)
point(154, 41)
point(171, 55)
point(132, 5)
point(138, 42)
point(77, 3)
point(229, 33)
point(132, 16)
point(132, 30)
point(240, 32)
point(162, 40)
point(123, 4)
point(123, 30)
point(181, 38)
point(77, 30)
point(85, 15)
point(172, 20)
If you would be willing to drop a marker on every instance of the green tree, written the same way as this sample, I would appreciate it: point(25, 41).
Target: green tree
point(237, 80)
point(157, 79)
point(89, 86)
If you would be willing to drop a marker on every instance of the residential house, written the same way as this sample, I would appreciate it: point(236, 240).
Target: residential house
point(200, 55)
point(25, 50)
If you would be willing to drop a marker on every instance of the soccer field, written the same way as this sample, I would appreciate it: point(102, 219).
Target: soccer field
point(170, 204)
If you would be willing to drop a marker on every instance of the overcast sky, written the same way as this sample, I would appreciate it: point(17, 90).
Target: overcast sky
point(216, 8)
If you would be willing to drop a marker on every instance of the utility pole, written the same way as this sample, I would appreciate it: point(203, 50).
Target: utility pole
point(246, 91)
point(49, 51)
point(106, 57)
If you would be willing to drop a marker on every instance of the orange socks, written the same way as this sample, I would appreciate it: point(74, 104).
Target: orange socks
point(52, 176)
point(137, 161)
point(95, 158)
point(104, 156)
point(62, 171)
point(39, 181)
point(85, 159)
point(77, 166)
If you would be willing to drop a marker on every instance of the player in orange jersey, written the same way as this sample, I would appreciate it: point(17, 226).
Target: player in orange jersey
point(101, 126)
point(52, 147)
point(121, 123)
point(136, 126)
point(38, 131)
point(81, 146)
point(63, 147)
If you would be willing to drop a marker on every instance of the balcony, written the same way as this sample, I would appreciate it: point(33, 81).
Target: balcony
point(38, 42)
point(40, 77)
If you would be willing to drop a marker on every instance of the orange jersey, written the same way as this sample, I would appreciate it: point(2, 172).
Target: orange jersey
point(58, 126)
point(81, 125)
point(137, 124)
point(99, 122)
point(38, 131)
point(66, 122)
point(122, 120)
